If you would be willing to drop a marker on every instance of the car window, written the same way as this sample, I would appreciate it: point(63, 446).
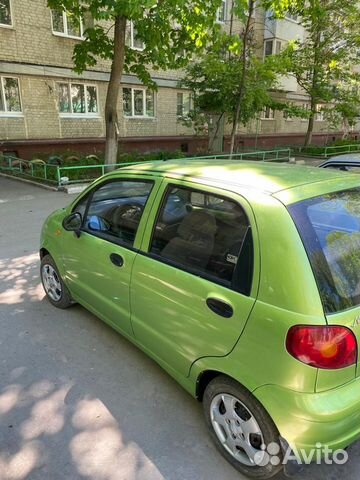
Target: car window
point(205, 234)
point(344, 168)
point(330, 228)
point(115, 210)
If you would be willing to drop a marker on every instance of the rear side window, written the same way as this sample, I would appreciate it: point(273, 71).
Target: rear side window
point(207, 235)
point(330, 229)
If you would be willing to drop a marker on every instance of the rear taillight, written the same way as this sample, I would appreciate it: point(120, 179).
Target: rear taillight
point(327, 346)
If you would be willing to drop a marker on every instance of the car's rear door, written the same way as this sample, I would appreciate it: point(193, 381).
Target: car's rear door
point(195, 279)
point(98, 262)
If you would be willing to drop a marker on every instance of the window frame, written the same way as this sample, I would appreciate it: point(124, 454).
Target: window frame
point(319, 116)
point(11, 24)
point(274, 47)
point(73, 114)
point(271, 114)
point(306, 106)
point(290, 18)
point(65, 23)
point(183, 114)
point(131, 27)
point(6, 112)
point(223, 10)
point(192, 271)
point(144, 90)
point(88, 196)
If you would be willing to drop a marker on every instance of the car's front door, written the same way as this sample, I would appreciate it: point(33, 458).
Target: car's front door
point(99, 261)
point(194, 283)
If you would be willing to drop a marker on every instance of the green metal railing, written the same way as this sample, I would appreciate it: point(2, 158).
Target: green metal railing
point(280, 155)
point(341, 149)
point(325, 152)
point(60, 175)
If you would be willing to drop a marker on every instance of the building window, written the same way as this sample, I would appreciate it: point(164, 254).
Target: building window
point(138, 102)
point(5, 13)
point(184, 104)
point(267, 114)
point(306, 107)
point(10, 101)
point(292, 17)
point(221, 12)
point(319, 113)
point(132, 40)
point(66, 25)
point(272, 47)
point(78, 99)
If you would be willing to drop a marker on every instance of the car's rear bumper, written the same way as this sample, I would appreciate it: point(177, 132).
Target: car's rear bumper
point(331, 418)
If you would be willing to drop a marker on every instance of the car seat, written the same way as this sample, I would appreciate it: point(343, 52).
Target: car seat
point(194, 242)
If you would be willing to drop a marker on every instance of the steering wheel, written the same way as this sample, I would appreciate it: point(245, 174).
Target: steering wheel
point(129, 212)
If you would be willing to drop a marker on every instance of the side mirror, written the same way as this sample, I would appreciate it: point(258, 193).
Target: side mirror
point(73, 223)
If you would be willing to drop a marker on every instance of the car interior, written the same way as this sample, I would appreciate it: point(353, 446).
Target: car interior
point(201, 232)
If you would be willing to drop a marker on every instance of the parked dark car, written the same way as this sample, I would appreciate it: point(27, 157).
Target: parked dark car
point(347, 162)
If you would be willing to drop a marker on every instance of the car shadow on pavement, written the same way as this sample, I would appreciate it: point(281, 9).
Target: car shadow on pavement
point(79, 401)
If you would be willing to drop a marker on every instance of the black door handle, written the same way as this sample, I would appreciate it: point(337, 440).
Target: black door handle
point(117, 259)
point(220, 308)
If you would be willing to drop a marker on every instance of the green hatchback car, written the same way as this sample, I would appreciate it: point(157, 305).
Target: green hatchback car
point(242, 280)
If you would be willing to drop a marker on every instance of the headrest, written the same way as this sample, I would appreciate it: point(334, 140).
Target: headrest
point(198, 221)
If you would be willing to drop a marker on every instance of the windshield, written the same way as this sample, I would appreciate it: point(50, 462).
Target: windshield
point(330, 229)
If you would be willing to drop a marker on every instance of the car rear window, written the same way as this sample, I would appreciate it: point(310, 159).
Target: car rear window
point(329, 226)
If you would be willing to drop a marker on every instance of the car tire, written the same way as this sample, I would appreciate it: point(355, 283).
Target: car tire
point(231, 414)
point(54, 286)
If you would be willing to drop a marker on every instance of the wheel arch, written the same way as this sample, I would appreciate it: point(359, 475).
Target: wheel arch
point(203, 380)
point(43, 251)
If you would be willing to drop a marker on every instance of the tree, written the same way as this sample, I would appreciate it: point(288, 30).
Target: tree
point(172, 30)
point(323, 61)
point(230, 77)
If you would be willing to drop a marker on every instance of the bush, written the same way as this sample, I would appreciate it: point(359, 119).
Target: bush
point(150, 156)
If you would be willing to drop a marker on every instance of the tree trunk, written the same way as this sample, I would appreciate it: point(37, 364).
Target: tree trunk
point(309, 133)
point(112, 96)
point(242, 86)
point(213, 138)
point(235, 125)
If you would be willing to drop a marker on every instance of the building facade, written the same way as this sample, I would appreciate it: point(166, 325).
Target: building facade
point(46, 106)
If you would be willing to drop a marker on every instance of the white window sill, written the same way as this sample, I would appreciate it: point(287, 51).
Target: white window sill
point(138, 117)
point(137, 49)
point(296, 22)
point(80, 115)
point(63, 35)
point(11, 115)
point(4, 25)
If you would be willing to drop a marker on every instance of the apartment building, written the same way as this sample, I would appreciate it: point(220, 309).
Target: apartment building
point(46, 106)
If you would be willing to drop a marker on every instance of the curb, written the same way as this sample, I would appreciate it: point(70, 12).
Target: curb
point(24, 180)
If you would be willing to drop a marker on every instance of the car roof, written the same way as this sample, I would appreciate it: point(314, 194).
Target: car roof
point(347, 157)
point(350, 159)
point(270, 178)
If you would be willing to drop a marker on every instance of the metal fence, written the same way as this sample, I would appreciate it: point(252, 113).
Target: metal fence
point(63, 175)
point(325, 152)
point(279, 155)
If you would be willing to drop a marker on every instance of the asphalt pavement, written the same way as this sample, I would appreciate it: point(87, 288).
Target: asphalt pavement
point(78, 401)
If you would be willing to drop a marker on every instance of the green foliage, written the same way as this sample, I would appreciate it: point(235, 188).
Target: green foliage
point(230, 71)
point(165, 46)
point(323, 61)
point(130, 157)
